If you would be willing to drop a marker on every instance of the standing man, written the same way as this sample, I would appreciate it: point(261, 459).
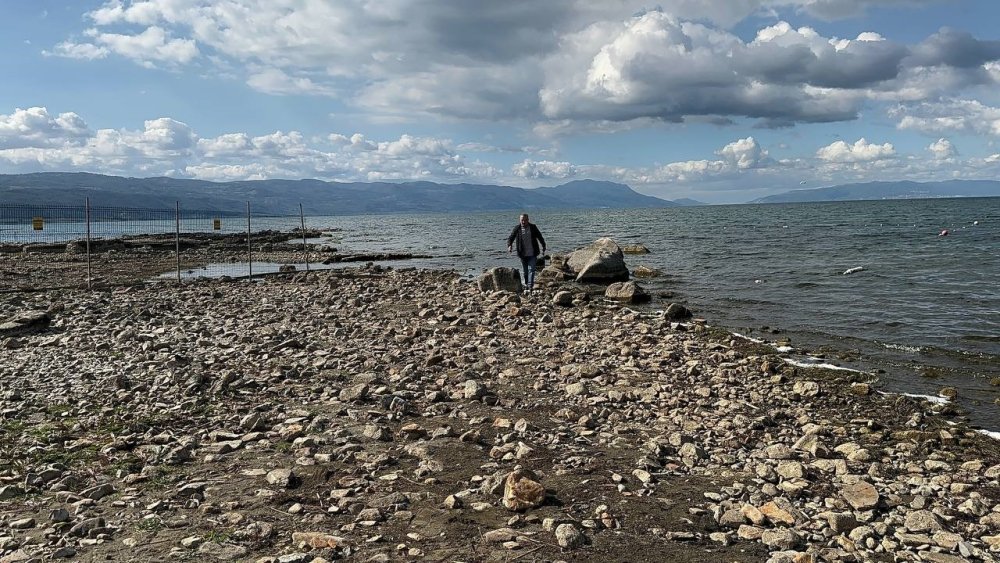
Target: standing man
point(527, 237)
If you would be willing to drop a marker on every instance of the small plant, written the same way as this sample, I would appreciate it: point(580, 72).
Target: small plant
point(216, 536)
point(151, 525)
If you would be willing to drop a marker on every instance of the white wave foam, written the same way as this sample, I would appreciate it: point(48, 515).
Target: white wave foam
point(777, 347)
point(929, 398)
point(751, 339)
point(990, 434)
point(902, 347)
point(818, 364)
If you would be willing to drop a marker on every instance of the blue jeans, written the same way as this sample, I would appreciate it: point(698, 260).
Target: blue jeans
point(528, 267)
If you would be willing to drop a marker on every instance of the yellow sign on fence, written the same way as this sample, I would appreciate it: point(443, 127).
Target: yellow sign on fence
point(37, 223)
point(216, 224)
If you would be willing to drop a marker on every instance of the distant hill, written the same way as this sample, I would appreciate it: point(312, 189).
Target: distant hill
point(889, 190)
point(688, 202)
point(316, 196)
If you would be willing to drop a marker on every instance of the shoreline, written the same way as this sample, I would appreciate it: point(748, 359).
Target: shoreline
point(380, 410)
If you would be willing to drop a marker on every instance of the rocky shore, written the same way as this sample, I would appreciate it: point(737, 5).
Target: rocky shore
point(374, 414)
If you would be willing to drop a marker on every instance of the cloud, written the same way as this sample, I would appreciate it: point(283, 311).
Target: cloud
point(942, 149)
point(276, 81)
point(33, 140)
point(153, 45)
point(837, 9)
point(562, 65)
point(656, 66)
point(840, 152)
point(35, 127)
point(949, 116)
point(543, 169)
point(744, 154)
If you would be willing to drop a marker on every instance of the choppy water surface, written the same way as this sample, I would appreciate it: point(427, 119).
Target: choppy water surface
point(925, 308)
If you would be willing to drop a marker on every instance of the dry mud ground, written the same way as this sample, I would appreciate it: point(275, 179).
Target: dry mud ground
point(373, 414)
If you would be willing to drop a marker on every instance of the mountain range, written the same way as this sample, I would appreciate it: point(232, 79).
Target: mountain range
point(282, 197)
point(889, 190)
point(317, 197)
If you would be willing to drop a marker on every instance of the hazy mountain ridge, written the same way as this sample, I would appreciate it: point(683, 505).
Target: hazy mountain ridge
point(889, 190)
point(316, 196)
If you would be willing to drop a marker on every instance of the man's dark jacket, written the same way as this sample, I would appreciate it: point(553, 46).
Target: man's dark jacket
point(536, 237)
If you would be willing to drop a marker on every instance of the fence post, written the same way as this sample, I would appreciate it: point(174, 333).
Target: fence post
point(89, 282)
point(177, 238)
point(249, 246)
point(305, 251)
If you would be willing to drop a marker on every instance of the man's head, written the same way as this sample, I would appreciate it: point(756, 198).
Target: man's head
point(524, 219)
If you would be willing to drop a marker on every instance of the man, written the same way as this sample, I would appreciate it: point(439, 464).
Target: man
point(527, 237)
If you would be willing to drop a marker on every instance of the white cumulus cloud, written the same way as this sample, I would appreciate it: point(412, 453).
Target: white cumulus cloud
point(942, 149)
point(860, 151)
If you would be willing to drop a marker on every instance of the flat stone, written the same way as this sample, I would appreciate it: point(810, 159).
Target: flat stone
point(861, 495)
point(922, 521)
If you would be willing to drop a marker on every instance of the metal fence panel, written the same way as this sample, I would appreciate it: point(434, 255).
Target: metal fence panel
point(44, 247)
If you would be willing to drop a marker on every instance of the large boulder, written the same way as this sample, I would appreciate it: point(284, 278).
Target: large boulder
point(500, 279)
point(25, 323)
point(627, 292)
point(600, 262)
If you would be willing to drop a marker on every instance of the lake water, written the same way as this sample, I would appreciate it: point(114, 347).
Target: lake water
point(923, 313)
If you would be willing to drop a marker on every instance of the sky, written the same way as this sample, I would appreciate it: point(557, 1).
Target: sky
point(722, 101)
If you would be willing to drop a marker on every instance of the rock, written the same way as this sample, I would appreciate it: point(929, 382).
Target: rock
point(354, 393)
point(753, 514)
point(223, 552)
point(59, 515)
point(627, 292)
point(569, 537)
point(316, 540)
point(941, 557)
point(452, 502)
point(98, 492)
point(860, 495)
point(64, 552)
point(562, 298)
point(635, 249)
point(780, 538)
point(8, 492)
point(677, 312)
point(22, 524)
point(500, 279)
point(645, 272)
point(284, 478)
point(921, 521)
point(600, 262)
point(778, 512)
point(500, 535)
point(25, 323)
point(85, 528)
point(522, 491)
point(806, 388)
point(841, 522)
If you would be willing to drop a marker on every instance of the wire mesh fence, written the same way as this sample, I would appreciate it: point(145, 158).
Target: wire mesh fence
point(45, 247)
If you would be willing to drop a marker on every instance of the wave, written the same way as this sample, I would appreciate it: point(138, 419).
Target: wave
point(929, 398)
point(902, 347)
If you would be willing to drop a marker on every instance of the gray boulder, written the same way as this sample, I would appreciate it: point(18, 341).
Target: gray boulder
point(627, 292)
point(600, 262)
point(676, 311)
point(500, 279)
point(25, 323)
